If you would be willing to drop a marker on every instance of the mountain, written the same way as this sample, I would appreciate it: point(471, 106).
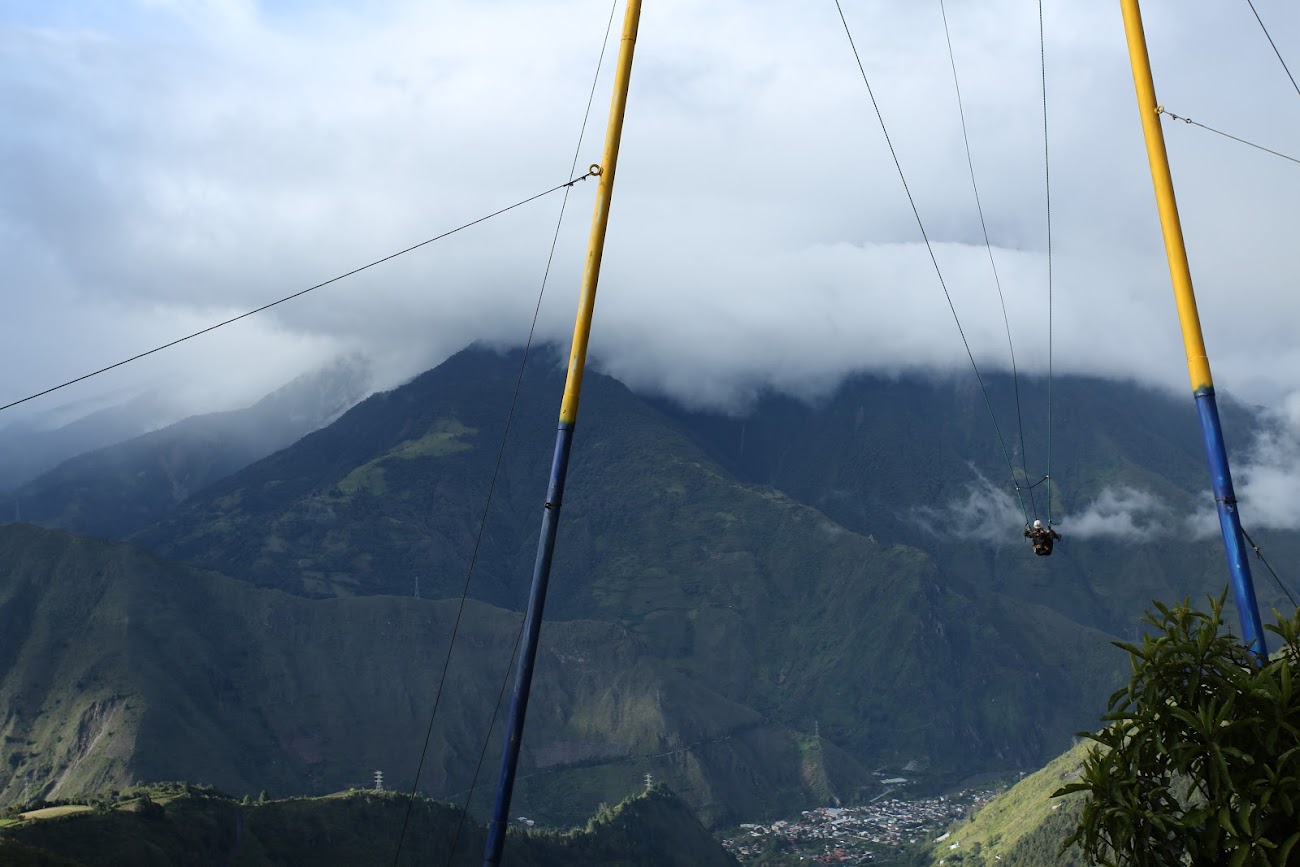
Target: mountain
point(185, 825)
point(115, 490)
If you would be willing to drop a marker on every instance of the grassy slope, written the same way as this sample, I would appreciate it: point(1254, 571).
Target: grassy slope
point(1022, 826)
point(197, 827)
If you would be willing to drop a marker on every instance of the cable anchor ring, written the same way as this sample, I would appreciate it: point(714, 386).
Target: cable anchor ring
point(595, 170)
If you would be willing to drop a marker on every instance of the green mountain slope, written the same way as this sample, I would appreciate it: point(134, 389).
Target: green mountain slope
point(736, 586)
point(840, 453)
point(119, 667)
point(182, 825)
point(1022, 827)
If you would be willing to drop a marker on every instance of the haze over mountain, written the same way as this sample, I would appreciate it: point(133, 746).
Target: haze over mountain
point(116, 489)
point(29, 447)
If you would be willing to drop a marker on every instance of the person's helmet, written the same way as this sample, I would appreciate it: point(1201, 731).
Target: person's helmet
point(1038, 525)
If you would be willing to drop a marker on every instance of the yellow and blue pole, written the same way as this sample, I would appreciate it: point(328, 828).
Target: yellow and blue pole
point(1198, 363)
point(563, 442)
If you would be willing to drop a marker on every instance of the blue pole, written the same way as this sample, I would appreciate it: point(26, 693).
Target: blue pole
point(528, 655)
point(1243, 589)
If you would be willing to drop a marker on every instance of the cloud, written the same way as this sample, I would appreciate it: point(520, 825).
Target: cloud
point(1266, 475)
point(1123, 513)
point(1268, 480)
point(178, 161)
point(987, 513)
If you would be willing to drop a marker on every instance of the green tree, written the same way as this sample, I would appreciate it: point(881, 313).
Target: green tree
point(1200, 761)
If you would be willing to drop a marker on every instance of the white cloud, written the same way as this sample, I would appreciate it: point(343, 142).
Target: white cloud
point(988, 513)
point(1268, 480)
point(175, 161)
point(1121, 512)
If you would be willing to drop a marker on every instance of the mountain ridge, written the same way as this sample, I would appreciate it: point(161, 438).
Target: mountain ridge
point(182, 824)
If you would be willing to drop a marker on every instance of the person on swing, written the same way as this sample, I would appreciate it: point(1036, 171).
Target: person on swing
point(1042, 538)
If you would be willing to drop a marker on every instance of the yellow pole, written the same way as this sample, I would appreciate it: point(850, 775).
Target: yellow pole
point(600, 217)
point(1198, 363)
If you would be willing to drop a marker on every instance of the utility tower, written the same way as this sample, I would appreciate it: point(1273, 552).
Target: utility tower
point(379, 781)
point(649, 781)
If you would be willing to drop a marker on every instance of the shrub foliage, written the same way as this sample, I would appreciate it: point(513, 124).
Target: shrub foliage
point(1199, 762)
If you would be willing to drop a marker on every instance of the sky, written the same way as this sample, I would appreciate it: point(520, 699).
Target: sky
point(167, 164)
